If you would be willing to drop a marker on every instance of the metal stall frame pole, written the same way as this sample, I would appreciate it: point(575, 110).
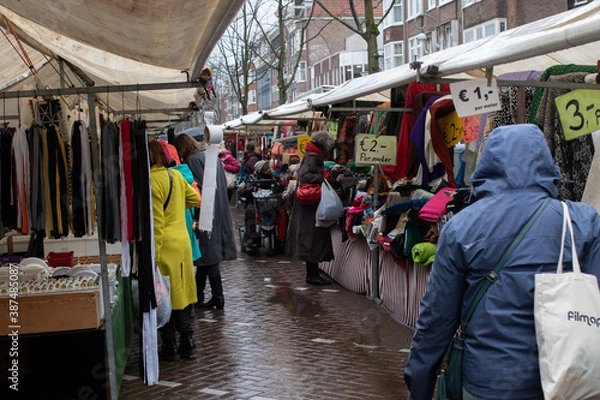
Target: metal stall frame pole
point(110, 350)
point(375, 252)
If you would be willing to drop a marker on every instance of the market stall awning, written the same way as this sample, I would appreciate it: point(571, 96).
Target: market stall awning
point(115, 42)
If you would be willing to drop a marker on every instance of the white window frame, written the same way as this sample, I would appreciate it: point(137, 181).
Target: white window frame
point(301, 72)
point(252, 97)
point(479, 31)
point(391, 19)
point(415, 47)
point(390, 54)
point(444, 2)
point(415, 8)
point(431, 4)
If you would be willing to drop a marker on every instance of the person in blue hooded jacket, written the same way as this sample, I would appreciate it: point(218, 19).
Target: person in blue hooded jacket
point(514, 174)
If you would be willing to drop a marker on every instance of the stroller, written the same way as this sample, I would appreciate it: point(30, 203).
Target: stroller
point(268, 206)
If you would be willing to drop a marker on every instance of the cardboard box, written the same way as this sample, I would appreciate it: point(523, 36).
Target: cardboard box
point(54, 312)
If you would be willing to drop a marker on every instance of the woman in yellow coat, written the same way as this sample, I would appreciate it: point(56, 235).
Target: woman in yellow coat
point(171, 196)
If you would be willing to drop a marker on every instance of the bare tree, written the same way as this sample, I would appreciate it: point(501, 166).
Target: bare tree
point(236, 50)
point(282, 56)
point(366, 27)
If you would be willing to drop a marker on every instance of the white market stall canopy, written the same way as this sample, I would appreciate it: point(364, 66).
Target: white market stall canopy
point(114, 44)
point(572, 37)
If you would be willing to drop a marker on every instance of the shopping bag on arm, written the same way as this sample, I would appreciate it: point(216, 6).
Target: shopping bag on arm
point(330, 207)
point(567, 327)
point(163, 298)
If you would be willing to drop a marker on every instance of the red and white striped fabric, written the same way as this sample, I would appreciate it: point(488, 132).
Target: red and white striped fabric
point(400, 288)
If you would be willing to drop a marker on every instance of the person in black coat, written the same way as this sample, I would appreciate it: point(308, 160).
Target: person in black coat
point(305, 241)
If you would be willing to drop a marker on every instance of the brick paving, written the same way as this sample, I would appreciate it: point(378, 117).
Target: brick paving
point(280, 339)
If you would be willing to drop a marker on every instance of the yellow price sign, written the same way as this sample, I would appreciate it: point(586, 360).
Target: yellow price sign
point(372, 149)
point(302, 140)
point(579, 112)
point(452, 129)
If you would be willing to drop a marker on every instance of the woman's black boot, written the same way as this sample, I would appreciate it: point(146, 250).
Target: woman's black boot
point(216, 287)
point(312, 275)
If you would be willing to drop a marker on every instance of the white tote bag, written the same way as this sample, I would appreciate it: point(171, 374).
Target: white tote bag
point(567, 326)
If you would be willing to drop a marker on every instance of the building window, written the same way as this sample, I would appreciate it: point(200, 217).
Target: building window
point(393, 55)
point(252, 97)
point(466, 3)
point(395, 17)
point(301, 74)
point(442, 2)
point(415, 8)
point(431, 4)
point(415, 49)
point(445, 40)
point(264, 90)
point(487, 29)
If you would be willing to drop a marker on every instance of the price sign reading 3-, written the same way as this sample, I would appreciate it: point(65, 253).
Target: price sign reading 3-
point(371, 149)
point(475, 96)
point(579, 112)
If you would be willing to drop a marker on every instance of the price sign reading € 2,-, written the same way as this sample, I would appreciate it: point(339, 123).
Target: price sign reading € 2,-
point(371, 149)
point(579, 112)
point(474, 96)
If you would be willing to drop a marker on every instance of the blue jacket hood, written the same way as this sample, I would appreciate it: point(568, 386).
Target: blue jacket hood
point(515, 157)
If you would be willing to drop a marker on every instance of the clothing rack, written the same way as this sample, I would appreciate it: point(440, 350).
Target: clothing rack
point(91, 91)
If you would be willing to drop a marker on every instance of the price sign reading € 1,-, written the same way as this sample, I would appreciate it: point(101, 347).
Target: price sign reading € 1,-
point(579, 112)
point(371, 149)
point(474, 96)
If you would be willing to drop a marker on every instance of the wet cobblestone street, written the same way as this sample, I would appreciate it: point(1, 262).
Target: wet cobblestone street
point(279, 338)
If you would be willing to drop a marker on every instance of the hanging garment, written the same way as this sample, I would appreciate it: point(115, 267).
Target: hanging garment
point(513, 106)
point(432, 168)
point(574, 157)
point(7, 204)
point(555, 70)
point(441, 108)
point(109, 150)
point(346, 140)
point(81, 181)
point(127, 157)
point(144, 245)
point(36, 200)
point(400, 170)
point(419, 103)
point(57, 183)
point(22, 179)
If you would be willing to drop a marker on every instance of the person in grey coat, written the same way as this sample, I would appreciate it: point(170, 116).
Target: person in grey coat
point(304, 240)
point(219, 245)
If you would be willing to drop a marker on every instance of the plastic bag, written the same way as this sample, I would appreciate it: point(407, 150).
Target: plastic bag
point(231, 179)
point(330, 207)
point(163, 298)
